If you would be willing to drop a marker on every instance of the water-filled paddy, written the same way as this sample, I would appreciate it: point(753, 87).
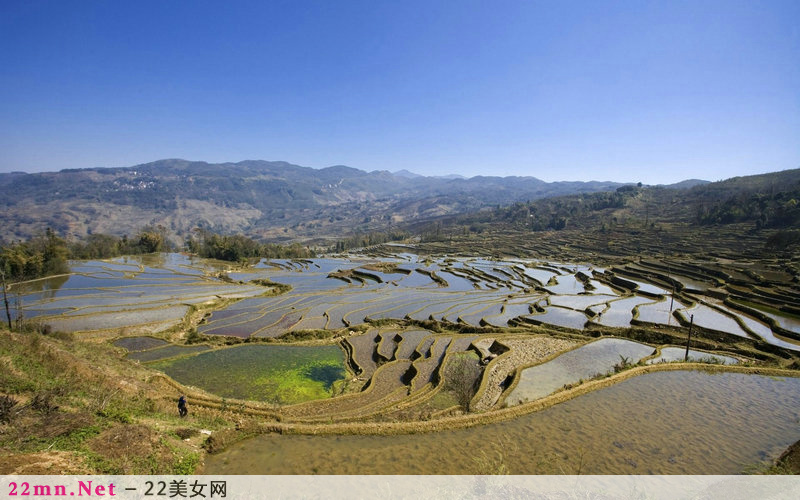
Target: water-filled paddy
point(139, 343)
point(679, 354)
point(119, 319)
point(791, 323)
point(277, 374)
point(560, 316)
point(585, 362)
point(580, 302)
point(659, 312)
point(712, 319)
point(125, 292)
point(620, 312)
point(508, 312)
point(476, 315)
point(540, 275)
point(681, 422)
point(568, 284)
point(456, 283)
point(648, 288)
point(170, 351)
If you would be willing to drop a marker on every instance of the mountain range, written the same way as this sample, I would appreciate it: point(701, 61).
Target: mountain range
point(273, 200)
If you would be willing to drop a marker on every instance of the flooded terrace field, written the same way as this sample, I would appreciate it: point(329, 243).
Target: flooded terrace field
point(154, 293)
point(356, 340)
point(475, 292)
point(150, 293)
point(681, 422)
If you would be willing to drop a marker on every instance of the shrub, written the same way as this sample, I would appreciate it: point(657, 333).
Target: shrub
point(7, 403)
point(624, 364)
point(43, 403)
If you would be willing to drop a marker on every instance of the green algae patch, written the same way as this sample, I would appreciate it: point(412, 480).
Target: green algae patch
point(276, 374)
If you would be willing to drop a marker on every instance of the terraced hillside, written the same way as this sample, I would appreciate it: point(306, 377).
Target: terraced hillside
point(401, 320)
point(401, 343)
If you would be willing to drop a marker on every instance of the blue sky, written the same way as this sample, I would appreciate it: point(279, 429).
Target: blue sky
point(627, 91)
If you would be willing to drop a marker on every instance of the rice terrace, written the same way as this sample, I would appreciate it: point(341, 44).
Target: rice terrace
point(374, 361)
point(401, 238)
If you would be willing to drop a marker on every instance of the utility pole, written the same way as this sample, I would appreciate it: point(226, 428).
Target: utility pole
point(5, 297)
point(672, 295)
point(671, 301)
point(689, 339)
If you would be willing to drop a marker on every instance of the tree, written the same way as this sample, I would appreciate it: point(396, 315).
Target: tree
point(43, 255)
point(152, 239)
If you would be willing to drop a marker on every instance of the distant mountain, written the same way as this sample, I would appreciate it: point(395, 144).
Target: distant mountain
point(267, 199)
point(405, 173)
point(411, 175)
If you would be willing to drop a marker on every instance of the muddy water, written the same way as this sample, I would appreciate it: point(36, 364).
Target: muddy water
point(683, 422)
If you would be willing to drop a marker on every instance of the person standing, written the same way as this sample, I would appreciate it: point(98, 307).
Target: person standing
point(182, 410)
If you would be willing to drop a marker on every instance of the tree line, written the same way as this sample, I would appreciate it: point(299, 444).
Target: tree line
point(546, 214)
point(47, 254)
point(774, 210)
point(237, 247)
point(369, 239)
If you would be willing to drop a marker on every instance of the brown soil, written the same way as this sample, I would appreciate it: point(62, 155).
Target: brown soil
point(133, 448)
point(48, 427)
point(523, 352)
point(44, 463)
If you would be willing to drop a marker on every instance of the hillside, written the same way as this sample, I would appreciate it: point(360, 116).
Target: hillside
point(273, 200)
point(753, 216)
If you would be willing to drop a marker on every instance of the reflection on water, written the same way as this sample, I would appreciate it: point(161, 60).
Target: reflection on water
point(682, 422)
point(712, 319)
point(784, 320)
point(475, 293)
point(45, 288)
point(560, 316)
point(620, 312)
point(679, 354)
point(588, 361)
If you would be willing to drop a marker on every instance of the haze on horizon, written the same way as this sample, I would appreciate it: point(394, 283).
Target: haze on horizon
point(650, 92)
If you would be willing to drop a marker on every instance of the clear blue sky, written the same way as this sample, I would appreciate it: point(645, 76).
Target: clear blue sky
point(626, 91)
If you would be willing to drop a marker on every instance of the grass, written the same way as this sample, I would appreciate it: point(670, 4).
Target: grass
point(59, 395)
